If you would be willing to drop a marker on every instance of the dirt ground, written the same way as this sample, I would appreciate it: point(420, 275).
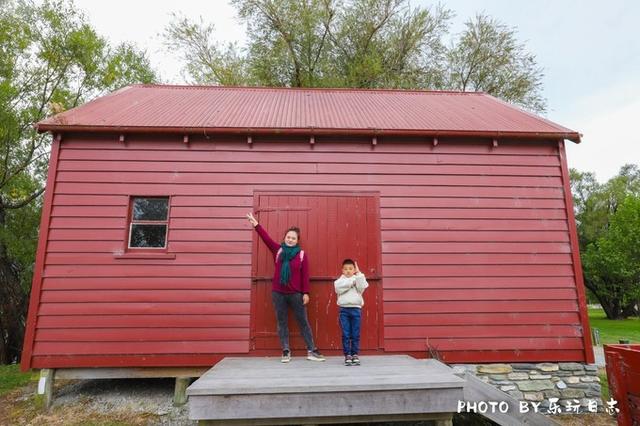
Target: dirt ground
point(141, 402)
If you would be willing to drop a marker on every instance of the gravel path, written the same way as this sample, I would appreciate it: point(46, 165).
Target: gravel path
point(143, 396)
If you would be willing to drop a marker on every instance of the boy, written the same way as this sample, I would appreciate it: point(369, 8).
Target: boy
point(349, 288)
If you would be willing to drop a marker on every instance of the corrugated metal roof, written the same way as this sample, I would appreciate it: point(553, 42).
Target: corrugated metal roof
point(255, 110)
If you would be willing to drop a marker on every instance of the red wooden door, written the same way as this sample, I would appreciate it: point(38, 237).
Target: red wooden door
point(333, 227)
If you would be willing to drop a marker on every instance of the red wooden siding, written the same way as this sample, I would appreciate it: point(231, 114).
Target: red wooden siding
point(476, 249)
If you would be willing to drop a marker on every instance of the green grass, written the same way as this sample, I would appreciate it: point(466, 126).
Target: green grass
point(604, 383)
point(611, 331)
point(11, 378)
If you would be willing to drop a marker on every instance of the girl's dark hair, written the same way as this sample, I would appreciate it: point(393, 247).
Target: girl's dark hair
point(348, 262)
point(294, 229)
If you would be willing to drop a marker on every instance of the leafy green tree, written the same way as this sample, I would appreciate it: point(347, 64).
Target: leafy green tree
point(596, 208)
point(612, 262)
point(206, 61)
point(489, 58)
point(50, 60)
point(360, 44)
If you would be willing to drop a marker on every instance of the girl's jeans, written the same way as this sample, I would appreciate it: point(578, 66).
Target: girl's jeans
point(281, 303)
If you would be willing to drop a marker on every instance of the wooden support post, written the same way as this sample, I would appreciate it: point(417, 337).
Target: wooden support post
point(435, 141)
point(180, 393)
point(45, 386)
point(185, 139)
point(374, 141)
point(312, 140)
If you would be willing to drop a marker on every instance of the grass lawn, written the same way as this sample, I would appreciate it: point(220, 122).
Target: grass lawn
point(11, 378)
point(611, 331)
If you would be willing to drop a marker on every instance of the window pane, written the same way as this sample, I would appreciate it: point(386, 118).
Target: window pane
point(150, 208)
point(148, 236)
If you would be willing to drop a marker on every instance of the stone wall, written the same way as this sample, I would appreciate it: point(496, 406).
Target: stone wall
point(567, 381)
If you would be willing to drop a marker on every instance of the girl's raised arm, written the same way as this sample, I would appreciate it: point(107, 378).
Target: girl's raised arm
point(273, 246)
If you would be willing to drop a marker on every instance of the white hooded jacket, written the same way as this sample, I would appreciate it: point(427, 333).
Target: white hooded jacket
point(349, 290)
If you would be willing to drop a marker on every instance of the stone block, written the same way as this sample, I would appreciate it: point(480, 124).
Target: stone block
point(540, 376)
point(508, 388)
point(524, 366)
point(547, 366)
point(588, 379)
point(572, 366)
point(534, 396)
point(498, 376)
point(552, 394)
point(537, 385)
point(518, 376)
point(495, 368)
point(591, 367)
point(561, 385)
point(572, 393)
point(572, 379)
point(579, 386)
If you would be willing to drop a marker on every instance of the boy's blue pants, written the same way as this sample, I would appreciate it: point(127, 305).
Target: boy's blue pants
point(350, 324)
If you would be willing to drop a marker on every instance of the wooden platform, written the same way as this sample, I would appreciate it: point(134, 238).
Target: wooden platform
point(265, 391)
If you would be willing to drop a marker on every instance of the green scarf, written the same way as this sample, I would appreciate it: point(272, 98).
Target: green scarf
point(286, 255)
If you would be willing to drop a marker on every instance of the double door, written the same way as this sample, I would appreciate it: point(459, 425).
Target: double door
point(333, 227)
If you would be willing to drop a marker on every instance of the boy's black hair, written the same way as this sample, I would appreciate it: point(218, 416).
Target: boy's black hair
point(348, 262)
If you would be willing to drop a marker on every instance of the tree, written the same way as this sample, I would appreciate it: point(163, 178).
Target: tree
point(205, 60)
point(360, 44)
point(488, 58)
point(612, 262)
point(601, 241)
point(50, 60)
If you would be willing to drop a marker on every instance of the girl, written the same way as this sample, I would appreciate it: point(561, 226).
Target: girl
point(290, 287)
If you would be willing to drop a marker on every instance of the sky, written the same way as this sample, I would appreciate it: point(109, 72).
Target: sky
point(589, 51)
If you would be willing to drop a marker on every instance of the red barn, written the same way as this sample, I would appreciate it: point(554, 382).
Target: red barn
point(456, 205)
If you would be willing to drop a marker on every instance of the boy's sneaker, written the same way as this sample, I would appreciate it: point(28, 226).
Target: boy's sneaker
point(347, 360)
point(355, 360)
point(314, 355)
point(286, 356)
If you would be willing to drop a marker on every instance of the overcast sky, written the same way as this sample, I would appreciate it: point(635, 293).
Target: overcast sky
point(590, 52)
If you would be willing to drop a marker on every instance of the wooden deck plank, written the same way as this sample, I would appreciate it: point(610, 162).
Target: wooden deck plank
point(269, 375)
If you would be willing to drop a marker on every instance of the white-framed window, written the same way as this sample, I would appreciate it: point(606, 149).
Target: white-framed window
point(148, 222)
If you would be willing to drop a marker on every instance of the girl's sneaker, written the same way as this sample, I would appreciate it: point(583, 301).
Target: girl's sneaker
point(347, 360)
point(286, 356)
point(355, 360)
point(314, 355)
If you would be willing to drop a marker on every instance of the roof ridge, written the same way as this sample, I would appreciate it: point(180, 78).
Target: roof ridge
point(303, 89)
